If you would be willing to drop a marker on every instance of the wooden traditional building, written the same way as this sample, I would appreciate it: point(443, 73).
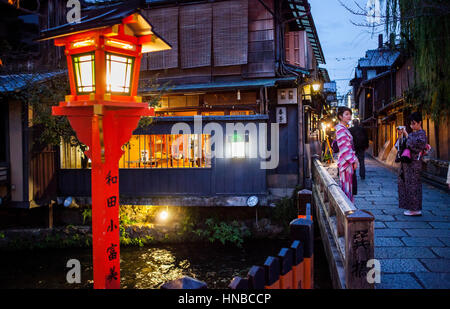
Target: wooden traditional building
point(242, 63)
point(383, 108)
point(27, 169)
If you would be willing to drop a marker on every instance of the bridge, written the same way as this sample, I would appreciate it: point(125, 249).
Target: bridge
point(413, 252)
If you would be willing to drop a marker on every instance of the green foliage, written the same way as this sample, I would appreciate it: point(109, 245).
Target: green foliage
point(125, 220)
point(2, 235)
point(52, 240)
point(286, 209)
point(87, 214)
point(40, 97)
point(151, 85)
point(424, 28)
point(223, 232)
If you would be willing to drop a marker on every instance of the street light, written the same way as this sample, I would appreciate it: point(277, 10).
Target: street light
point(104, 63)
point(103, 54)
point(316, 86)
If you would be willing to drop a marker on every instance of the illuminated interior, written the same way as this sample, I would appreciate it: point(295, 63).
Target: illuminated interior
point(84, 69)
point(152, 151)
point(237, 146)
point(118, 73)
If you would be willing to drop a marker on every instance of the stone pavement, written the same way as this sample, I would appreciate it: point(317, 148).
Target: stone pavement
point(414, 252)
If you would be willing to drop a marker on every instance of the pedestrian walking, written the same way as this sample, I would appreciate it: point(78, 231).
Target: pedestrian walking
point(361, 143)
point(409, 176)
point(347, 157)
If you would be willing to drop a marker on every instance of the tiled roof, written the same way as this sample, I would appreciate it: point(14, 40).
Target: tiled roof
point(14, 82)
point(379, 58)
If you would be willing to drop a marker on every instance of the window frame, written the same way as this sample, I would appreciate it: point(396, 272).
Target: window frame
point(131, 73)
point(74, 65)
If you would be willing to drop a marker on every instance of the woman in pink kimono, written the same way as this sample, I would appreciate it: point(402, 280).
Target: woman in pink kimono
point(347, 158)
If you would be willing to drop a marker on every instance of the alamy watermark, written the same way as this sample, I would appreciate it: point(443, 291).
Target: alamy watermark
point(74, 14)
point(246, 140)
point(374, 274)
point(74, 274)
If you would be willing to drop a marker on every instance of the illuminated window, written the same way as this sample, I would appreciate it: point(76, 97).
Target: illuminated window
point(84, 70)
point(238, 144)
point(151, 151)
point(72, 157)
point(118, 73)
point(167, 151)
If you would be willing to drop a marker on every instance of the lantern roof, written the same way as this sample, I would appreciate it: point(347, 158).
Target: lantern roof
point(108, 16)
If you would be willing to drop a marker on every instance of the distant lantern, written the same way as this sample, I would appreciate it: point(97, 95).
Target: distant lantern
point(316, 87)
point(104, 52)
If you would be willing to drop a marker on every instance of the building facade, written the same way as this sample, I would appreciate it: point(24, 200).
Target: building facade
point(381, 85)
point(241, 67)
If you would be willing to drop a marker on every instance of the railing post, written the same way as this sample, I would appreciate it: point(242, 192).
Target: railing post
point(297, 278)
point(272, 272)
point(303, 197)
point(239, 283)
point(286, 260)
point(359, 248)
point(303, 230)
point(184, 283)
point(256, 278)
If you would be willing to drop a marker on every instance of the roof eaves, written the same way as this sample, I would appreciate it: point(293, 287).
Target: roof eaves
point(300, 8)
point(216, 86)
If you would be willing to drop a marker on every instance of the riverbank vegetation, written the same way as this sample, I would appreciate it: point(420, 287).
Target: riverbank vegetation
point(144, 225)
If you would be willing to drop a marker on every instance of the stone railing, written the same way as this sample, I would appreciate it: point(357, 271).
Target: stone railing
point(347, 233)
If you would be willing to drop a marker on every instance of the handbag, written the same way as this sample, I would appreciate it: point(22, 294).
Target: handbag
point(406, 156)
point(335, 146)
point(401, 147)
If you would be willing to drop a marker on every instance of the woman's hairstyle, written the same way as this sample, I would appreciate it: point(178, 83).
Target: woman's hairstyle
point(342, 110)
point(416, 116)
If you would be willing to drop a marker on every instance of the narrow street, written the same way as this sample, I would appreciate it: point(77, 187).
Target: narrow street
point(414, 252)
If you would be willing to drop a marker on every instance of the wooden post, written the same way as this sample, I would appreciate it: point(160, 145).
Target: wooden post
point(303, 230)
point(239, 283)
point(272, 272)
point(301, 142)
point(298, 267)
point(303, 197)
point(184, 283)
point(50, 215)
point(286, 257)
point(256, 278)
point(359, 248)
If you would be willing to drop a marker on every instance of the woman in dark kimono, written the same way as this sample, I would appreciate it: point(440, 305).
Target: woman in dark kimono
point(409, 182)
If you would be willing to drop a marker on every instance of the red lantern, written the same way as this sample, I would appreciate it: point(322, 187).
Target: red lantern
point(103, 54)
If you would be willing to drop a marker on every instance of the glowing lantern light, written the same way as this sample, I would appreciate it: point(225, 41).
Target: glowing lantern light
point(104, 52)
point(316, 87)
point(164, 215)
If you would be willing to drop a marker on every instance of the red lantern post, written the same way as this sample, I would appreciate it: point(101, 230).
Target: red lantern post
point(103, 57)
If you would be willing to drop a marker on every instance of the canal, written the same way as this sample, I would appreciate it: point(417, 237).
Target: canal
point(149, 267)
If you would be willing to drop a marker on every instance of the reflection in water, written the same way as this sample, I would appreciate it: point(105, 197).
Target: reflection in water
point(141, 268)
point(154, 267)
